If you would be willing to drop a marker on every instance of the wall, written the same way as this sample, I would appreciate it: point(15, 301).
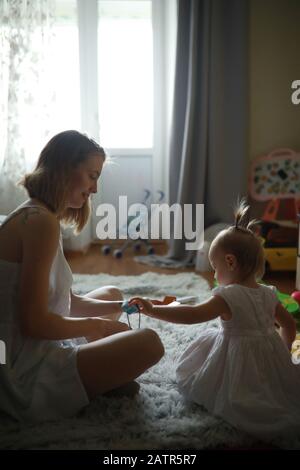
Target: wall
point(274, 64)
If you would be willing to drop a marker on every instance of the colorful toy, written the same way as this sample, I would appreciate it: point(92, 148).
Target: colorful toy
point(289, 303)
point(275, 177)
point(279, 245)
point(275, 180)
point(129, 310)
point(296, 296)
point(168, 300)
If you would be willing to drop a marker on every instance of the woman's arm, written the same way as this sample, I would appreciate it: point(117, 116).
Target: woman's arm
point(40, 238)
point(287, 325)
point(212, 308)
point(55, 327)
point(82, 306)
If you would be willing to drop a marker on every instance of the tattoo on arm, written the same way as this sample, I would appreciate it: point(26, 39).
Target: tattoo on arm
point(27, 214)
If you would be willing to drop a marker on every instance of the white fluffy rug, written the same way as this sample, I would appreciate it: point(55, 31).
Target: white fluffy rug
point(158, 417)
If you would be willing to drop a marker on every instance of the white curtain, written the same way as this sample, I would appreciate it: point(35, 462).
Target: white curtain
point(28, 97)
point(25, 34)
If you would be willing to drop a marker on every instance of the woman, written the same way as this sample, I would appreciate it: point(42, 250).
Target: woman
point(47, 374)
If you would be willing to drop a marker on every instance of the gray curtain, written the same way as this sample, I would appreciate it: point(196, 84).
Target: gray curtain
point(208, 149)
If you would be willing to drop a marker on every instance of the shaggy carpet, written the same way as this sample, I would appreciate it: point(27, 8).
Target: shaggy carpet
point(156, 418)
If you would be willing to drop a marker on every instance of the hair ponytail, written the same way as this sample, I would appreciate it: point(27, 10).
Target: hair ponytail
point(242, 219)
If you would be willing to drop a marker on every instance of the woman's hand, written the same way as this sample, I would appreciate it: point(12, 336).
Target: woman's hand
point(145, 306)
point(102, 327)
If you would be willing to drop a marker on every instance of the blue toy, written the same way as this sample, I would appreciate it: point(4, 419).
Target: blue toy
point(129, 310)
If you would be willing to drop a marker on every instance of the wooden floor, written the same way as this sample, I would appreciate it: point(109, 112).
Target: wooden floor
point(94, 261)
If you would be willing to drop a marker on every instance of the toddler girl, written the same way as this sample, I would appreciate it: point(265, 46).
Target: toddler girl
point(241, 371)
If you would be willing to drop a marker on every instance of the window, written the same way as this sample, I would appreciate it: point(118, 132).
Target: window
point(99, 66)
point(125, 73)
point(122, 115)
point(105, 81)
point(64, 67)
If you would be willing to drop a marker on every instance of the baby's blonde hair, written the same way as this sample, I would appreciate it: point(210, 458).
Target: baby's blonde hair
point(241, 241)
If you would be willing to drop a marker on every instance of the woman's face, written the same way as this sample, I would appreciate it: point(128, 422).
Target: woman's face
point(84, 181)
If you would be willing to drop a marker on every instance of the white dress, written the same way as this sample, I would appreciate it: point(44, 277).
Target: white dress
point(242, 371)
point(39, 380)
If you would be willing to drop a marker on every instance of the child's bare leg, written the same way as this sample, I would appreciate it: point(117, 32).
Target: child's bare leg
point(113, 361)
point(107, 293)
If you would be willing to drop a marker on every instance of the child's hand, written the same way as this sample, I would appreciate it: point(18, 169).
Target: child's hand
point(144, 305)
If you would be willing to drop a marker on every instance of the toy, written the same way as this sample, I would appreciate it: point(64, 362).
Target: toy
point(296, 296)
point(129, 310)
point(288, 302)
point(276, 177)
point(280, 240)
point(275, 180)
point(168, 300)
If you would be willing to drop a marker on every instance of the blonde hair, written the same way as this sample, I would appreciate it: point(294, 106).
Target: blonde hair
point(241, 241)
point(49, 182)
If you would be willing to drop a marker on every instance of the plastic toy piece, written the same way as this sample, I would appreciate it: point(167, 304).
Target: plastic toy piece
point(296, 296)
point(169, 299)
point(288, 302)
point(166, 301)
point(129, 309)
